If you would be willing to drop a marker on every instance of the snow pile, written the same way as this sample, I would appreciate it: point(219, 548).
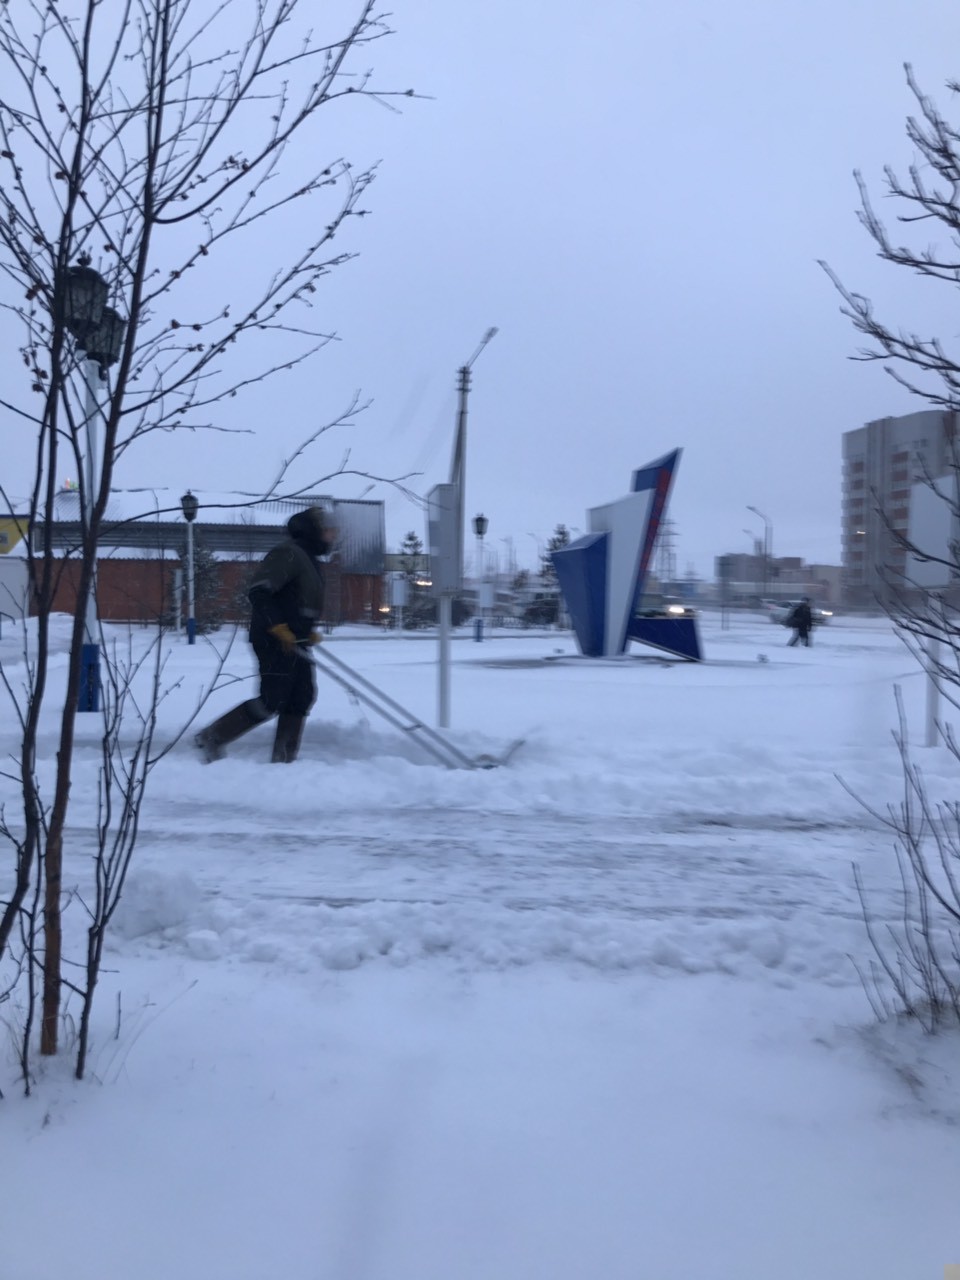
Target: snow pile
point(155, 901)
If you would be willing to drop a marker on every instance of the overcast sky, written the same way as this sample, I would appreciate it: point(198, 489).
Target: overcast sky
point(635, 194)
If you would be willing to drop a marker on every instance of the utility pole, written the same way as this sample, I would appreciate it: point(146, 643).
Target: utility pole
point(456, 489)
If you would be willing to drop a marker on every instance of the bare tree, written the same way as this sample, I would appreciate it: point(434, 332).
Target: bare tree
point(918, 961)
point(147, 143)
point(916, 967)
point(929, 195)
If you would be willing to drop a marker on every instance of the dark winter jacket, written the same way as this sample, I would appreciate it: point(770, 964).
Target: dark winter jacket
point(801, 618)
point(288, 586)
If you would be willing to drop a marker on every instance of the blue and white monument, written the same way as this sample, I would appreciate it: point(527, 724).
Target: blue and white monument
point(603, 575)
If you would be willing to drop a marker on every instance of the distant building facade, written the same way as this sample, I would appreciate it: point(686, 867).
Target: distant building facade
point(142, 547)
point(744, 579)
point(14, 576)
point(881, 463)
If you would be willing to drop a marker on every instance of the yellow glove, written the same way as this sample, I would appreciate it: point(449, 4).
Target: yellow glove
point(287, 640)
point(316, 637)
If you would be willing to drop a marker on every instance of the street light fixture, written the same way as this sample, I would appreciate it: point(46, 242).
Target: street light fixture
point(767, 544)
point(190, 507)
point(98, 332)
point(84, 293)
point(104, 342)
point(480, 526)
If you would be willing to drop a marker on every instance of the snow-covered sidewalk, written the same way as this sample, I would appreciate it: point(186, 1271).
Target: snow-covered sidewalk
point(591, 1015)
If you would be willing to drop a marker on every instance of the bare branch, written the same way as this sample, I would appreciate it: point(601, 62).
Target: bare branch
point(152, 140)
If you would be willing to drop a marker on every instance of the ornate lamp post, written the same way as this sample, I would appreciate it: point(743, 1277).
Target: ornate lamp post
point(480, 525)
point(98, 331)
point(190, 507)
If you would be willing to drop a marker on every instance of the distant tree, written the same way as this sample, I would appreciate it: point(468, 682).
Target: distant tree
point(421, 607)
point(418, 611)
point(917, 965)
point(521, 580)
point(207, 588)
point(559, 539)
point(411, 549)
point(238, 602)
point(542, 611)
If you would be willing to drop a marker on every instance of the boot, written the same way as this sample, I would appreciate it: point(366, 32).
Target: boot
point(228, 728)
point(287, 742)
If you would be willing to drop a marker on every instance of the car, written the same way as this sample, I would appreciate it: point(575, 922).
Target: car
point(779, 611)
point(654, 605)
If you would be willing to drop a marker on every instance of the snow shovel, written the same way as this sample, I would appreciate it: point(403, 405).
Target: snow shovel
point(363, 690)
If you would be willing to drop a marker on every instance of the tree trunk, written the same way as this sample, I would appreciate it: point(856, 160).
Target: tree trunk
point(52, 944)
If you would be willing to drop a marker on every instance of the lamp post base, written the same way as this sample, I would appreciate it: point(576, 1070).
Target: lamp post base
point(478, 629)
point(89, 699)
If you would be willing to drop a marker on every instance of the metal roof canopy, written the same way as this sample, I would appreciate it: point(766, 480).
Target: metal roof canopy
point(232, 523)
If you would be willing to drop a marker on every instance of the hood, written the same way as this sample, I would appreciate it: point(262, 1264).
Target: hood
point(313, 531)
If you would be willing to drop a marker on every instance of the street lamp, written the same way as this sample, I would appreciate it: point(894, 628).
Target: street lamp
point(767, 544)
point(511, 557)
point(98, 331)
point(480, 525)
point(190, 508)
point(755, 555)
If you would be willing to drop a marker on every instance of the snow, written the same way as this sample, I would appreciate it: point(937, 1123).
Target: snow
point(594, 1014)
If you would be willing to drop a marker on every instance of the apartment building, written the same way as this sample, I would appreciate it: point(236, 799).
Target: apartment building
point(881, 462)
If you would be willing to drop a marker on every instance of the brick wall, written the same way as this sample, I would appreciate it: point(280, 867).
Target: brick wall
point(141, 591)
point(127, 590)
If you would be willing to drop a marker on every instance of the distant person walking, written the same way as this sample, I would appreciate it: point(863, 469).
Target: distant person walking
point(801, 619)
point(287, 604)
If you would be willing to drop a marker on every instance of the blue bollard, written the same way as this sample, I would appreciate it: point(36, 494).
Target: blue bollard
point(89, 699)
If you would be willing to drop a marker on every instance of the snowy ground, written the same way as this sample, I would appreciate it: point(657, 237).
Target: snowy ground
point(592, 1015)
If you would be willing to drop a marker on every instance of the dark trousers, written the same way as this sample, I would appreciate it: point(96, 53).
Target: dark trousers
point(287, 683)
point(802, 635)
